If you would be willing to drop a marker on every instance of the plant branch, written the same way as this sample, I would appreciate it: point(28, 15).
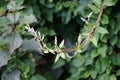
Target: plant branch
point(93, 29)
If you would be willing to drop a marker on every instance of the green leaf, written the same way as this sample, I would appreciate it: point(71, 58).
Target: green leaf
point(94, 8)
point(93, 74)
point(103, 38)
point(59, 64)
point(62, 55)
point(94, 39)
point(61, 44)
point(104, 19)
point(2, 41)
point(19, 2)
point(77, 63)
point(101, 30)
point(110, 2)
point(66, 17)
point(42, 1)
point(58, 7)
point(98, 66)
point(14, 41)
point(11, 6)
point(113, 77)
point(118, 73)
point(97, 2)
point(37, 12)
point(13, 18)
point(79, 39)
point(94, 53)
point(113, 40)
point(118, 43)
point(4, 21)
point(4, 57)
point(103, 77)
point(37, 77)
point(31, 45)
point(12, 75)
point(102, 50)
point(28, 19)
point(57, 58)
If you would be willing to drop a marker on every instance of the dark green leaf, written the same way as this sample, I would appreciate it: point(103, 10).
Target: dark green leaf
point(93, 74)
point(13, 75)
point(77, 63)
point(102, 49)
point(105, 19)
point(4, 57)
point(31, 45)
point(59, 63)
point(58, 7)
point(28, 19)
point(94, 53)
point(4, 21)
point(13, 18)
point(37, 77)
point(118, 43)
point(15, 41)
point(118, 73)
point(42, 1)
point(113, 40)
point(97, 2)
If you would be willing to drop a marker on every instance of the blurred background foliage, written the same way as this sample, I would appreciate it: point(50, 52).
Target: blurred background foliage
point(20, 58)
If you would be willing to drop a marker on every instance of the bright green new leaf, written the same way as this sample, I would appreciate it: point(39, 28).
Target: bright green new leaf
point(62, 44)
point(62, 55)
point(79, 39)
point(57, 57)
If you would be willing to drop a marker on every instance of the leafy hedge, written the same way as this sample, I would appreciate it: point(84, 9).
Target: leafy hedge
point(71, 39)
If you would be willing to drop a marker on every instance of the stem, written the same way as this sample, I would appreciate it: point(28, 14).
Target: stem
point(91, 32)
point(93, 29)
point(14, 22)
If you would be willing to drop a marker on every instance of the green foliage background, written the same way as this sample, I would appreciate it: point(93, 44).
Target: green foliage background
point(20, 56)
